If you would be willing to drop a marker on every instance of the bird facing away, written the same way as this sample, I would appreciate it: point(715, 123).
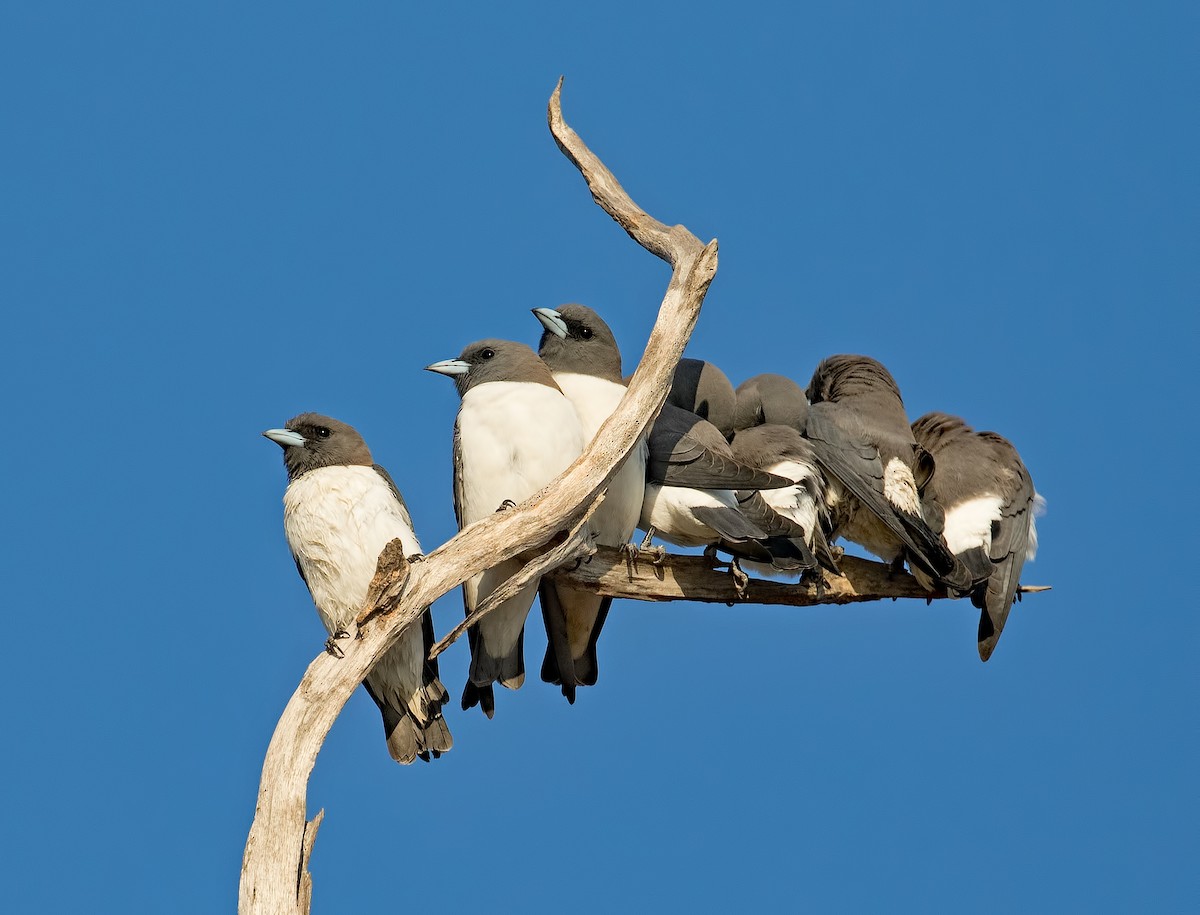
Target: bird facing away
point(701, 388)
point(983, 499)
point(583, 356)
point(783, 451)
point(339, 511)
point(514, 433)
point(769, 399)
point(875, 468)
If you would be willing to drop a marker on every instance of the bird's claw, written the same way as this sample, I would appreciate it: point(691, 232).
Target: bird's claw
point(741, 580)
point(817, 579)
point(332, 646)
point(506, 505)
point(416, 557)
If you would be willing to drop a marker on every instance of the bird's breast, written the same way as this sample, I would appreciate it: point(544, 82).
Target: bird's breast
point(337, 521)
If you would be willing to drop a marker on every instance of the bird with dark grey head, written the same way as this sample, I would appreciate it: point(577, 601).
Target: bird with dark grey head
point(770, 400)
point(582, 354)
point(514, 433)
point(701, 388)
point(983, 501)
point(875, 468)
point(339, 511)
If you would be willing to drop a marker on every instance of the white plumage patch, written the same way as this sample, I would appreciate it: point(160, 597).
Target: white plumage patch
point(337, 521)
point(514, 438)
point(969, 524)
point(594, 400)
point(900, 488)
point(1039, 509)
point(668, 509)
point(799, 502)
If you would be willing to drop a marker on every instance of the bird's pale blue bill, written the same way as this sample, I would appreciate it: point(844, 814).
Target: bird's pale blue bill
point(449, 367)
point(551, 320)
point(285, 438)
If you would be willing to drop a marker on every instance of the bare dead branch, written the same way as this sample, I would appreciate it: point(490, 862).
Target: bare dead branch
point(575, 546)
point(274, 853)
point(649, 576)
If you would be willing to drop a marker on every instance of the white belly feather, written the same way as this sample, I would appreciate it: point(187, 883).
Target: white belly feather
point(337, 521)
point(594, 400)
point(514, 438)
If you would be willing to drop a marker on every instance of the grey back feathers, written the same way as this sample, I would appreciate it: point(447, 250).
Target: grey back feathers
point(770, 399)
point(686, 450)
point(857, 424)
point(589, 347)
point(327, 443)
point(984, 498)
point(701, 388)
point(765, 445)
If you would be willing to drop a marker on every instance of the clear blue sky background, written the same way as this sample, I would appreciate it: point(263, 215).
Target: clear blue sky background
point(218, 215)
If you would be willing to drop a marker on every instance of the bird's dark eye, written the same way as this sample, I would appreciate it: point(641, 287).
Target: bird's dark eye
point(487, 354)
point(585, 332)
point(322, 432)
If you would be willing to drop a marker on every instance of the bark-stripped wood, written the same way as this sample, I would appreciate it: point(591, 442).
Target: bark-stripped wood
point(274, 866)
point(647, 576)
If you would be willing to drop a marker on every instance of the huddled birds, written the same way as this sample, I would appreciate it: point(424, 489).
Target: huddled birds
point(771, 473)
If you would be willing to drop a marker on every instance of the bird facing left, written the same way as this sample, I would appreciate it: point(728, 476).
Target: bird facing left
point(339, 511)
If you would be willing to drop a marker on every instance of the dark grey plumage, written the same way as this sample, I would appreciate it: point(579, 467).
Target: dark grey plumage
point(983, 500)
point(861, 435)
point(701, 388)
point(770, 399)
point(691, 483)
point(801, 516)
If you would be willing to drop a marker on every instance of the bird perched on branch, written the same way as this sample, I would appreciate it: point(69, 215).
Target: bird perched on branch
point(876, 469)
point(339, 511)
point(783, 451)
point(514, 433)
point(983, 501)
point(770, 400)
point(582, 354)
point(692, 480)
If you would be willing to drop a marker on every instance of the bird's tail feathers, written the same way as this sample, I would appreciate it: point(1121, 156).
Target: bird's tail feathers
point(730, 523)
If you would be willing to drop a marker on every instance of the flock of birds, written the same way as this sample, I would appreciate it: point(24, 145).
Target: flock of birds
point(770, 473)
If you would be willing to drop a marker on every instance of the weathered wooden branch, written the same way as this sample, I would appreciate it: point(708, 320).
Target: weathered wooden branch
point(274, 877)
point(647, 576)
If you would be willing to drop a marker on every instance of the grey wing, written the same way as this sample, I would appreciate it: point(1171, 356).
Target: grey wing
point(1010, 543)
point(691, 464)
point(458, 477)
point(855, 463)
point(382, 471)
point(785, 542)
point(300, 569)
point(470, 587)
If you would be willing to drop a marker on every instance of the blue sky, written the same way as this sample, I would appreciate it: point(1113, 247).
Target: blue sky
point(217, 216)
